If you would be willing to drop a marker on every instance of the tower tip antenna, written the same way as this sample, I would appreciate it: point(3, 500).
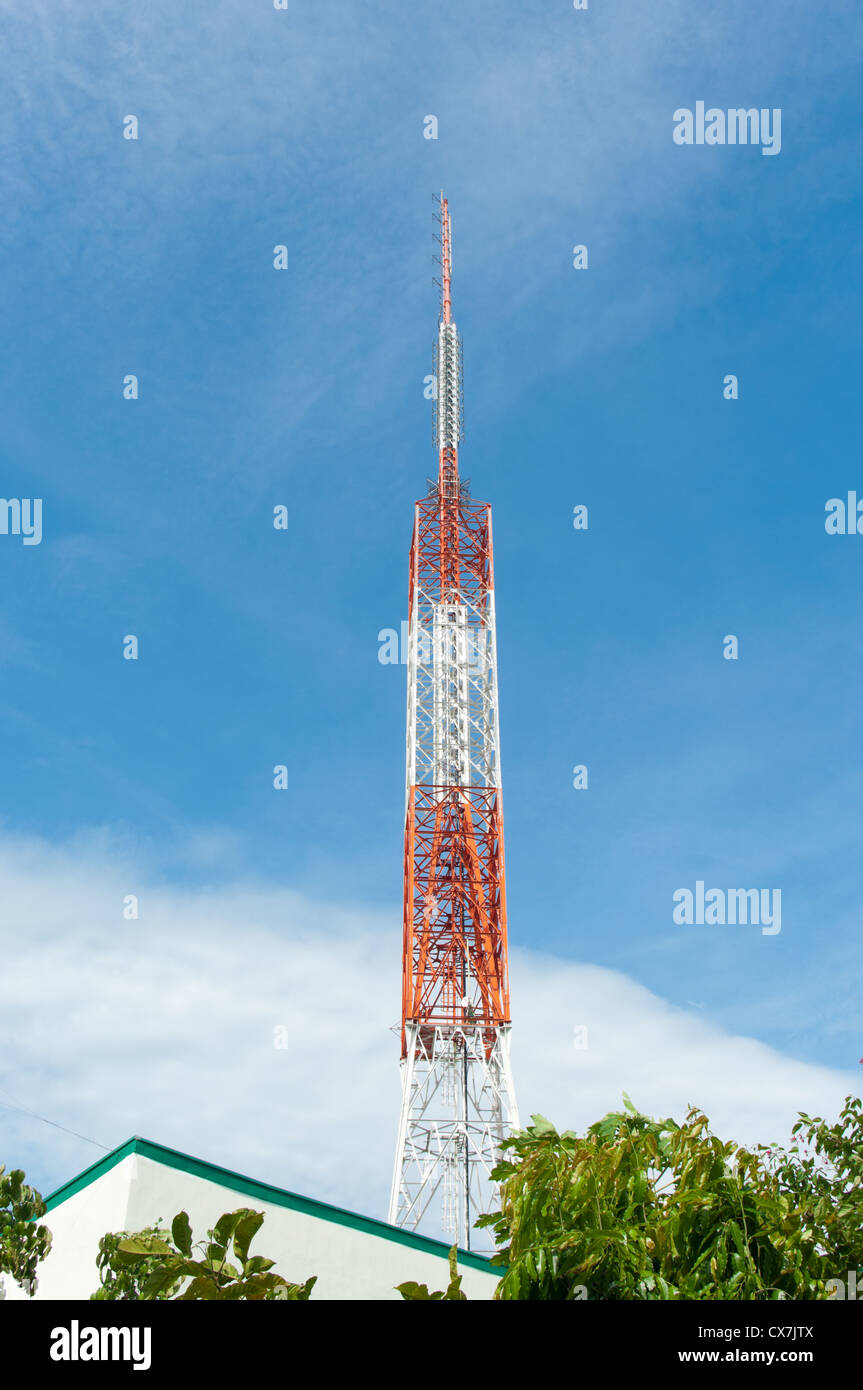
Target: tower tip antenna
point(446, 261)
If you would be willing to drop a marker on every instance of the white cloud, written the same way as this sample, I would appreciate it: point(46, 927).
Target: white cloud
point(164, 1027)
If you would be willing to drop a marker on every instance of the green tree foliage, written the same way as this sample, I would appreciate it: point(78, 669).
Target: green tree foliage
point(22, 1243)
point(419, 1293)
point(823, 1172)
point(123, 1277)
point(223, 1268)
point(648, 1209)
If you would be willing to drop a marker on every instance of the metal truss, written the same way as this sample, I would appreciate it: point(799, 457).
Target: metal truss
point(458, 1104)
point(457, 1094)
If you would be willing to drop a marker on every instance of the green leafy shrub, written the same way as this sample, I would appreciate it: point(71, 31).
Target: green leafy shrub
point(23, 1244)
point(122, 1277)
point(639, 1208)
point(223, 1269)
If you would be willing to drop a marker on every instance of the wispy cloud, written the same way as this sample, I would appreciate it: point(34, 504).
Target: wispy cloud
point(167, 1026)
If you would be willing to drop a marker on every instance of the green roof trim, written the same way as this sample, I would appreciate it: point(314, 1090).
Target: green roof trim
point(264, 1192)
point(96, 1170)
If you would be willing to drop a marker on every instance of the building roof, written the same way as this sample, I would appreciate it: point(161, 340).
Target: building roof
point(263, 1192)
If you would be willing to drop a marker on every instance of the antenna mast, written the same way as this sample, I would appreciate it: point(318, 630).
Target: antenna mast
point(458, 1100)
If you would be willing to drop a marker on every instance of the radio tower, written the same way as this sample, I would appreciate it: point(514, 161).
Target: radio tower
point(458, 1101)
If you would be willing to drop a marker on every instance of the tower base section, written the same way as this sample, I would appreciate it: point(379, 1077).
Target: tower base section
point(458, 1105)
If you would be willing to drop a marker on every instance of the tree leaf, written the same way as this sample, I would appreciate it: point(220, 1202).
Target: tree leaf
point(181, 1231)
point(246, 1230)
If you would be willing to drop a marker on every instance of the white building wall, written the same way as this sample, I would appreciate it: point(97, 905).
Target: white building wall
point(350, 1263)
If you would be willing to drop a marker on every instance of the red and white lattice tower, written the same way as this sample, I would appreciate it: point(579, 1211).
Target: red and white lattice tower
point(458, 1101)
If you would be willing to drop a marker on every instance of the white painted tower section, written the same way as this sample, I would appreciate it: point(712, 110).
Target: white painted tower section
point(458, 1099)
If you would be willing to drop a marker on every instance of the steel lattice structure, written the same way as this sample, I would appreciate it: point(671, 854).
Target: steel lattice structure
point(458, 1101)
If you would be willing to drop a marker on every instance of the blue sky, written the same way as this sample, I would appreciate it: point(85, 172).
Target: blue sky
point(305, 387)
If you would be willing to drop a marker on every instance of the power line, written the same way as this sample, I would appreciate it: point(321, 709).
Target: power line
point(24, 1111)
